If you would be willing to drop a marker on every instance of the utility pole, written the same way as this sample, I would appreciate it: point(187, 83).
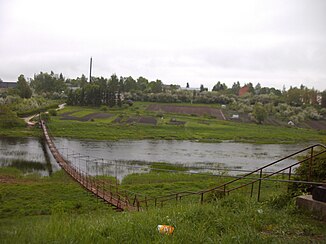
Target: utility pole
point(90, 71)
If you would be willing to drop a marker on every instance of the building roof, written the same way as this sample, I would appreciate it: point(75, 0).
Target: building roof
point(5, 84)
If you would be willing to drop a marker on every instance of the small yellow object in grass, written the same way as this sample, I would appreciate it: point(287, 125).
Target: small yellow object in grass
point(165, 229)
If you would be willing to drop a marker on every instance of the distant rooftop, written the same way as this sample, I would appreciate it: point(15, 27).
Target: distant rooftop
point(7, 84)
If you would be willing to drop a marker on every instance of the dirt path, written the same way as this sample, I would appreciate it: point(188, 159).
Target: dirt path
point(29, 118)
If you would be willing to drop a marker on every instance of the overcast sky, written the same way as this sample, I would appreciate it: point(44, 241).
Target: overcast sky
point(276, 42)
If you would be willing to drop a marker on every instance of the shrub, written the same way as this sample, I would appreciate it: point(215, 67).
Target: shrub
point(9, 119)
point(104, 108)
point(53, 112)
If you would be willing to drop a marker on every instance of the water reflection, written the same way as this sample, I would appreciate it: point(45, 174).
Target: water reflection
point(120, 158)
point(27, 154)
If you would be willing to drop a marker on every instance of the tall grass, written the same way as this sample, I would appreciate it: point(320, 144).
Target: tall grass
point(231, 220)
point(57, 210)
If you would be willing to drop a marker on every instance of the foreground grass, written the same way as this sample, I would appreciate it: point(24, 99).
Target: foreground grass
point(233, 219)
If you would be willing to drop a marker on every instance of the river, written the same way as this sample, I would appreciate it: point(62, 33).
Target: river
point(120, 158)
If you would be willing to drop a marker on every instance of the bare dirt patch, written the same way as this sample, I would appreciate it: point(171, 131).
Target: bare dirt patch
point(88, 117)
point(190, 110)
point(139, 120)
point(173, 121)
point(317, 125)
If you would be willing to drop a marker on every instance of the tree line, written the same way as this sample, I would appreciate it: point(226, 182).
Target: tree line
point(114, 90)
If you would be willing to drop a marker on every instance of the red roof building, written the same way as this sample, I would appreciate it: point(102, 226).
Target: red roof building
point(243, 90)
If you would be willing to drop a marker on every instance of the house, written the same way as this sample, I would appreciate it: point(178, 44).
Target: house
point(7, 85)
point(291, 123)
point(244, 90)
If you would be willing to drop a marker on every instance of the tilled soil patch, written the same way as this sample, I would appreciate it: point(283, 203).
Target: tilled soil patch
point(88, 117)
point(140, 120)
point(190, 110)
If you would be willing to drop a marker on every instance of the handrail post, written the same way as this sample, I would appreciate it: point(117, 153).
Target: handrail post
point(310, 162)
point(290, 171)
point(202, 198)
point(134, 200)
point(259, 185)
point(138, 205)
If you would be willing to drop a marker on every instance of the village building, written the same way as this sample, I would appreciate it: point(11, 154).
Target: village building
point(244, 90)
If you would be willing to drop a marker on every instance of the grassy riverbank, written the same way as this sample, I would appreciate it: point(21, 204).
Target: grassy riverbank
point(56, 209)
point(137, 123)
point(124, 124)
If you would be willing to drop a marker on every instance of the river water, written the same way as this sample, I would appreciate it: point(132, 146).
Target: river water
point(120, 158)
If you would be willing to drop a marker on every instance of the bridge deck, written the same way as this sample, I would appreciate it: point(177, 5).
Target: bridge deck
point(115, 199)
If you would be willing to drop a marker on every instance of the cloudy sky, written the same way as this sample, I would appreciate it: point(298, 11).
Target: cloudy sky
point(276, 42)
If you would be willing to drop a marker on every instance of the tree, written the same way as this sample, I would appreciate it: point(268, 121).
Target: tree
point(323, 99)
point(187, 86)
point(156, 86)
point(129, 84)
point(235, 88)
point(259, 113)
point(50, 83)
point(23, 89)
point(219, 87)
point(202, 88)
point(142, 83)
point(257, 88)
point(294, 97)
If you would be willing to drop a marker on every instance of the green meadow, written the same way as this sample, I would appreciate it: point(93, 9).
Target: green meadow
point(201, 128)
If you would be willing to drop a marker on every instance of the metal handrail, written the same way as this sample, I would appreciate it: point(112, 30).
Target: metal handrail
point(260, 170)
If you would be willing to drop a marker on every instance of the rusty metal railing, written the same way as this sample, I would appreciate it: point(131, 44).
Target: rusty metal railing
point(122, 200)
point(104, 190)
point(225, 189)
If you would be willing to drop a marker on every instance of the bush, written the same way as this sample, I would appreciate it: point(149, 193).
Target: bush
point(53, 112)
point(45, 117)
point(104, 108)
point(9, 119)
point(317, 174)
point(318, 169)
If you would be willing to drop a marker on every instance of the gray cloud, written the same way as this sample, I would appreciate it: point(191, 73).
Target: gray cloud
point(273, 42)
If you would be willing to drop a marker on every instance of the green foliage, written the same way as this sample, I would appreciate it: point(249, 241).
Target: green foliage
point(23, 88)
point(167, 166)
point(104, 108)
point(317, 170)
point(259, 113)
point(34, 105)
point(9, 119)
point(45, 116)
point(53, 112)
point(48, 83)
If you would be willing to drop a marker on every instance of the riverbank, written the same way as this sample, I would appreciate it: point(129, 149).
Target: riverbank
point(55, 209)
point(138, 123)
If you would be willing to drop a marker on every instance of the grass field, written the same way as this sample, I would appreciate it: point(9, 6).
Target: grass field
point(126, 123)
point(56, 210)
point(202, 128)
